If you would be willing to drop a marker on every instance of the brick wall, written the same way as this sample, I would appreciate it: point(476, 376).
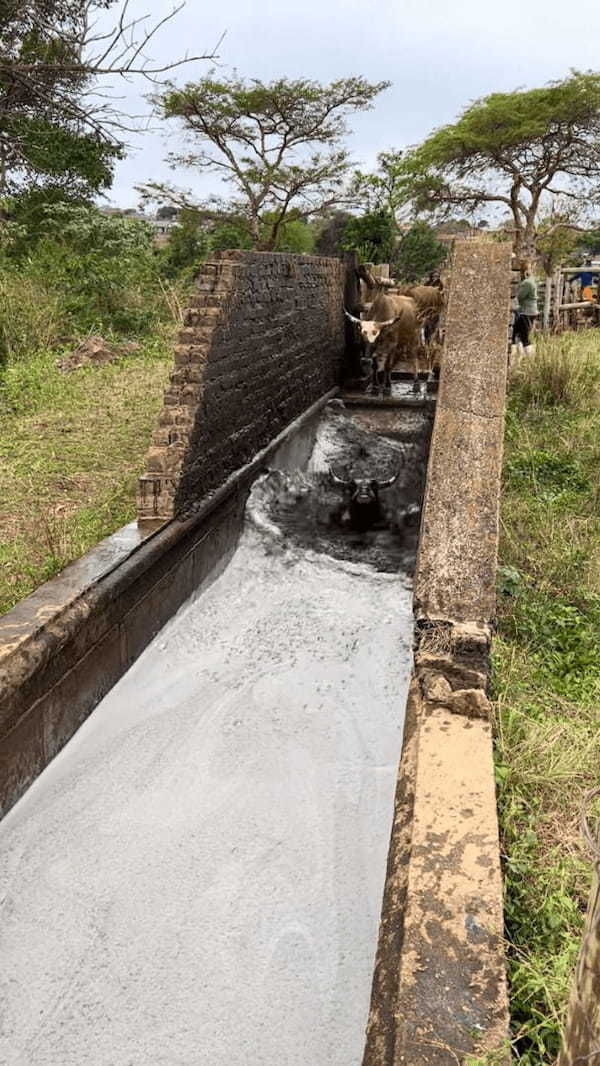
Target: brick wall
point(262, 339)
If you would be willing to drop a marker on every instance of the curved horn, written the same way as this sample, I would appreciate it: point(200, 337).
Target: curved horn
point(390, 321)
point(337, 480)
point(352, 318)
point(389, 482)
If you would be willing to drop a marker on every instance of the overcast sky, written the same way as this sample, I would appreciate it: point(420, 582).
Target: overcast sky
point(439, 55)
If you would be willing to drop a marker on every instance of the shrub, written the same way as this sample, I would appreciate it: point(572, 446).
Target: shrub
point(30, 316)
point(372, 235)
point(187, 247)
point(81, 271)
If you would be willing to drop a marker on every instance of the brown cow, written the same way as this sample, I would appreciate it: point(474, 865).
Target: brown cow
point(430, 304)
point(390, 334)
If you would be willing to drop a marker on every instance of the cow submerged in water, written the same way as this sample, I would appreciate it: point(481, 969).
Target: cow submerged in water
point(363, 510)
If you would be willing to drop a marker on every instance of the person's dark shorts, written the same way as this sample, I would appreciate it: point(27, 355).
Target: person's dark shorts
point(522, 327)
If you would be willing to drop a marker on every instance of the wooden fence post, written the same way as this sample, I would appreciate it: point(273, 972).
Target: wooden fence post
point(581, 1044)
point(547, 302)
point(352, 367)
point(557, 300)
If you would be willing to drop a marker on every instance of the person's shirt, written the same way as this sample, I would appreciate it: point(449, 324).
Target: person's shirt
point(586, 278)
point(527, 297)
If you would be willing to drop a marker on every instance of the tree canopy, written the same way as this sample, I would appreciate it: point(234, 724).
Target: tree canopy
point(558, 235)
point(419, 252)
point(278, 145)
point(373, 235)
point(56, 128)
point(42, 81)
point(588, 241)
point(515, 149)
point(382, 190)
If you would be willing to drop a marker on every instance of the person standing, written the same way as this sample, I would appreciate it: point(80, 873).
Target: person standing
point(526, 313)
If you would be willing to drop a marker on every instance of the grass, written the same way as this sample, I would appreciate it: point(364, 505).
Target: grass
point(547, 675)
point(71, 448)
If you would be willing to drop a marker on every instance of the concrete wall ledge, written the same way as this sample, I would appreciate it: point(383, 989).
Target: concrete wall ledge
point(439, 992)
point(65, 646)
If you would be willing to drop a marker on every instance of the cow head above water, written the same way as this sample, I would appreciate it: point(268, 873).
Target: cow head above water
point(362, 510)
point(362, 490)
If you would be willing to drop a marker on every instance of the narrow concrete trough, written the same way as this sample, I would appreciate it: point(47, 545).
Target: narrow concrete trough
point(268, 830)
point(198, 874)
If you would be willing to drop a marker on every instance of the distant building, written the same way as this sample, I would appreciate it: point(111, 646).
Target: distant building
point(161, 226)
point(162, 230)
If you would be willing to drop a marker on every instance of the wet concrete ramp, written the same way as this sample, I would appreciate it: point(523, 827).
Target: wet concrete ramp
point(197, 877)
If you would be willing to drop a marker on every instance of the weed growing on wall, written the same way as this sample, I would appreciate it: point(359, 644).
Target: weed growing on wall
point(547, 675)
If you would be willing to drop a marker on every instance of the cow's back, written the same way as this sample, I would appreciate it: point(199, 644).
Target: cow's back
point(385, 307)
point(427, 297)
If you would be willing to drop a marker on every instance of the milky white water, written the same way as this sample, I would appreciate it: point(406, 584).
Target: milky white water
point(197, 878)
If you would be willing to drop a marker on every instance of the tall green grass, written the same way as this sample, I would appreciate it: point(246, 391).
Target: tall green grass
point(30, 316)
point(547, 675)
point(71, 448)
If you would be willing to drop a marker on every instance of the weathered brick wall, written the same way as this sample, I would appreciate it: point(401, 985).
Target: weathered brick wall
point(264, 338)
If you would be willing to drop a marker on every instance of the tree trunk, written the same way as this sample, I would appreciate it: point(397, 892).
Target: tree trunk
point(524, 244)
point(528, 242)
point(581, 1043)
point(255, 232)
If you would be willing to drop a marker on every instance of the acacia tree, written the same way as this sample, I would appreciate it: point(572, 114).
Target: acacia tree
point(558, 234)
point(278, 145)
point(382, 190)
point(517, 149)
point(56, 127)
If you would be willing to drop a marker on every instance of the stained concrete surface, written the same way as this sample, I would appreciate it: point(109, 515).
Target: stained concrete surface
point(456, 570)
point(443, 898)
point(197, 877)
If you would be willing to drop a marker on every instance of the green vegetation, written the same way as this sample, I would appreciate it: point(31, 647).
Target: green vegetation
point(72, 444)
point(384, 189)
point(61, 124)
point(518, 149)
point(48, 136)
point(372, 235)
point(418, 253)
point(547, 675)
point(71, 447)
point(279, 145)
point(80, 271)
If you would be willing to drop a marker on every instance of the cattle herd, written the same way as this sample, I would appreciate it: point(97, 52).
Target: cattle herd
point(399, 324)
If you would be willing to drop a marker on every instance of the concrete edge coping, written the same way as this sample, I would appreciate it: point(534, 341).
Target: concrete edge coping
point(22, 628)
point(439, 992)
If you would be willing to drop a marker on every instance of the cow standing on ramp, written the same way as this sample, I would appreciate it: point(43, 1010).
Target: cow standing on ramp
point(390, 335)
